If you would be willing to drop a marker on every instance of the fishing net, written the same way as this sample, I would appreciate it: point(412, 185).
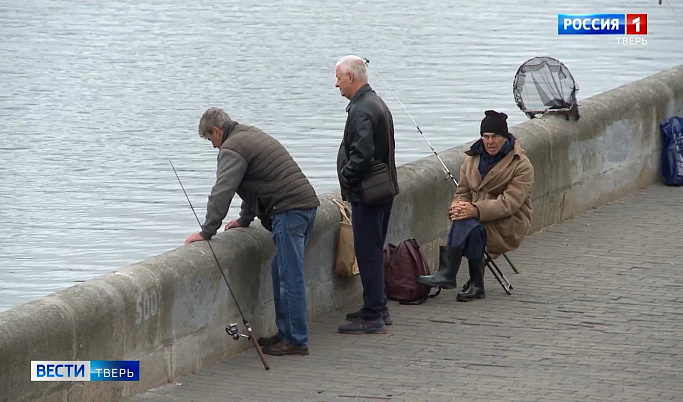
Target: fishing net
point(545, 85)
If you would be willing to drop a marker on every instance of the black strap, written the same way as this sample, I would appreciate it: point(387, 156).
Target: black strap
point(420, 300)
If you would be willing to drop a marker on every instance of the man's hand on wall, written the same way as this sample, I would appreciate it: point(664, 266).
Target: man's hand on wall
point(233, 224)
point(193, 238)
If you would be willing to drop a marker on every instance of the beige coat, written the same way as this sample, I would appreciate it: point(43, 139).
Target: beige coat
point(503, 198)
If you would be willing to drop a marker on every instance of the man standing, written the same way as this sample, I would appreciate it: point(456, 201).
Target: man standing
point(368, 140)
point(273, 188)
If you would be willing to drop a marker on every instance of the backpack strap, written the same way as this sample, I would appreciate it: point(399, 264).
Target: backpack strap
point(415, 251)
point(421, 300)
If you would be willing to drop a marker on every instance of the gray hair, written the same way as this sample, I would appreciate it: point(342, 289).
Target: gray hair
point(354, 64)
point(214, 116)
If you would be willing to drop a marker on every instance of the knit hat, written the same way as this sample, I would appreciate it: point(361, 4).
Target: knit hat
point(494, 122)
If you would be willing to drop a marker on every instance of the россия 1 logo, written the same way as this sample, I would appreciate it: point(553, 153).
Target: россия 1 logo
point(604, 24)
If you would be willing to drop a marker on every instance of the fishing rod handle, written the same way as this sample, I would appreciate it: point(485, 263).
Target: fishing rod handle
point(257, 346)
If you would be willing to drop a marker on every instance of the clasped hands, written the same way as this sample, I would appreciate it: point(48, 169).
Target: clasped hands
point(460, 210)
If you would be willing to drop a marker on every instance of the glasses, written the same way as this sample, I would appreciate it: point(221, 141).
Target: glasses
point(490, 136)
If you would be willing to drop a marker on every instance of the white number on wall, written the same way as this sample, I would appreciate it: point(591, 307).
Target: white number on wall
point(146, 306)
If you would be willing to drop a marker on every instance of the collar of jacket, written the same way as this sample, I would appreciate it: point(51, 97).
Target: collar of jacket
point(229, 128)
point(361, 91)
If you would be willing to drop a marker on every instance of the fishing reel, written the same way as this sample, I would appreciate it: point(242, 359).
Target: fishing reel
point(234, 331)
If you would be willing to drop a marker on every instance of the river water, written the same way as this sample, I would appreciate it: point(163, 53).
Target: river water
point(96, 97)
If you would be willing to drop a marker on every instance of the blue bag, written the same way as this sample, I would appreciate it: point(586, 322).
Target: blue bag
point(672, 151)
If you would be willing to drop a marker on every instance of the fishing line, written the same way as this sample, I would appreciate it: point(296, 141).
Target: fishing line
point(673, 11)
point(448, 172)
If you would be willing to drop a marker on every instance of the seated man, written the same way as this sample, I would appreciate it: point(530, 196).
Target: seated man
point(491, 209)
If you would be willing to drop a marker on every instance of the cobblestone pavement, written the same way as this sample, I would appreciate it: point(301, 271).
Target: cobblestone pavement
point(596, 314)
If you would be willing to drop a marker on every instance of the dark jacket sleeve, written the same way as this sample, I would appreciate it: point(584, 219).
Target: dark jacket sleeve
point(229, 174)
point(361, 148)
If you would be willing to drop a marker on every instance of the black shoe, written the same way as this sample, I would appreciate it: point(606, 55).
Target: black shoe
point(473, 293)
point(362, 327)
point(476, 288)
point(283, 348)
point(357, 315)
point(269, 341)
point(449, 264)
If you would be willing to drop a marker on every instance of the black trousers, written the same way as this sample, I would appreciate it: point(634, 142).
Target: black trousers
point(370, 224)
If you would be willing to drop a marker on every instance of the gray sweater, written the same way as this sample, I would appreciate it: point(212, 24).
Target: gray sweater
point(259, 169)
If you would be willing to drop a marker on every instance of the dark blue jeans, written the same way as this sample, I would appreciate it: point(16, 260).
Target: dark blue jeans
point(370, 224)
point(291, 231)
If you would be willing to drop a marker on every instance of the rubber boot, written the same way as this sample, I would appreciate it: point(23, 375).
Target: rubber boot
point(449, 263)
point(476, 288)
point(466, 286)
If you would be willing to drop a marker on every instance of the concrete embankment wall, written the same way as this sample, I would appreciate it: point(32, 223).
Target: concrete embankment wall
point(170, 311)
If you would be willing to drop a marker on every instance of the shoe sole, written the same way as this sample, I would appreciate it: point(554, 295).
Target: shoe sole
point(472, 299)
point(390, 322)
point(438, 286)
point(378, 332)
point(291, 352)
point(386, 322)
point(284, 354)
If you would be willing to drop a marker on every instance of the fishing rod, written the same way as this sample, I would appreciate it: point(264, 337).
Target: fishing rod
point(673, 11)
point(487, 258)
point(232, 329)
point(448, 172)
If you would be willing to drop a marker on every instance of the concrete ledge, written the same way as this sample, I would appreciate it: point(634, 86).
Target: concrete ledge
point(170, 311)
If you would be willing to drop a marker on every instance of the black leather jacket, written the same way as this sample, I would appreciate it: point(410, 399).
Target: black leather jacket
point(368, 140)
